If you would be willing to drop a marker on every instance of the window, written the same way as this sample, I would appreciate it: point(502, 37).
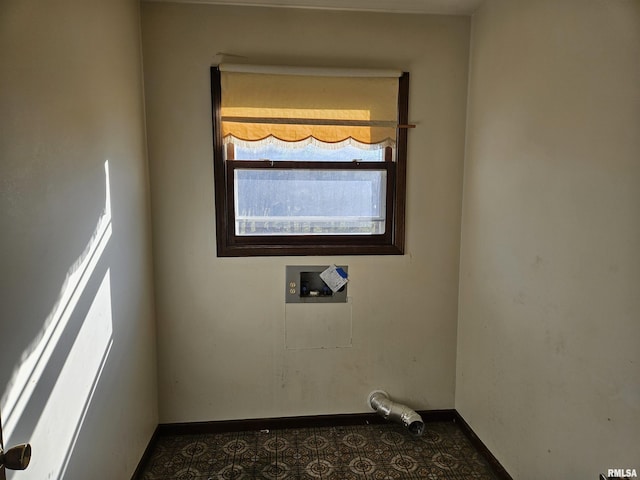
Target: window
point(309, 161)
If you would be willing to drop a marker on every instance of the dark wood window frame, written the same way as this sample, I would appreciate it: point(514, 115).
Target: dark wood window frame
point(231, 245)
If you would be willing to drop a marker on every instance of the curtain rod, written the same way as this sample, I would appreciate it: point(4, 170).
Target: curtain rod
point(308, 71)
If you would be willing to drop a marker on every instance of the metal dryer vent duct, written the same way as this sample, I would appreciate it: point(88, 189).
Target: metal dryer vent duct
point(379, 401)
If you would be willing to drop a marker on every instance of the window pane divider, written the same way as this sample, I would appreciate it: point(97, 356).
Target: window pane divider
point(309, 165)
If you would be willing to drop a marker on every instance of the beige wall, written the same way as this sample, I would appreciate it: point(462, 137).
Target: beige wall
point(547, 358)
point(221, 321)
point(548, 361)
point(77, 349)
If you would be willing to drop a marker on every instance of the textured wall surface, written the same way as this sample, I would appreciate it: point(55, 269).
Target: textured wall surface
point(221, 320)
point(77, 335)
point(548, 361)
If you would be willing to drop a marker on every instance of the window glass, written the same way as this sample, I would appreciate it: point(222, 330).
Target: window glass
point(305, 150)
point(309, 202)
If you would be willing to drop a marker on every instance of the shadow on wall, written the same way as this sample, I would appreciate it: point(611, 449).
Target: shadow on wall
point(51, 362)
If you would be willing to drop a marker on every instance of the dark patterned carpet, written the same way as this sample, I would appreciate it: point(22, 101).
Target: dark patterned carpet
point(362, 452)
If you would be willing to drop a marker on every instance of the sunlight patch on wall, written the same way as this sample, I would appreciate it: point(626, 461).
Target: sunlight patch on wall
point(61, 421)
point(84, 360)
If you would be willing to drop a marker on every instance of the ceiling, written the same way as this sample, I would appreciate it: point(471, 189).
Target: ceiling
point(441, 7)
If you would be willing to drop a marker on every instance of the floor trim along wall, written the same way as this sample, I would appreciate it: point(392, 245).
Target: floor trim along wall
point(146, 455)
point(481, 447)
point(195, 428)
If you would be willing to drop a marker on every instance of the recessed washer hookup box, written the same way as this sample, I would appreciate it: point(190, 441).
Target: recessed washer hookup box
point(304, 285)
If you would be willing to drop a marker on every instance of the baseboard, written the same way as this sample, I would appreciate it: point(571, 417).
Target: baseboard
point(198, 428)
point(146, 456)
point(498, 469)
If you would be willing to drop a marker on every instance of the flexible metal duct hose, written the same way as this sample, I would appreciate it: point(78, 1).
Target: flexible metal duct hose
point(390, 410)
